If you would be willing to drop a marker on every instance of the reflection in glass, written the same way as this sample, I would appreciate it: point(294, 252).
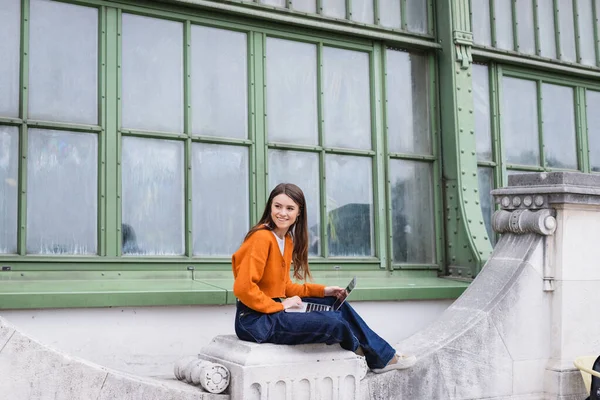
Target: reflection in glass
point(347, 108)
point(301, 169)
point(276, 3)
point(220, 193)
point(389, 14)
point(62, 192)
point(520, 134)
point(219, 87)
point(482, 33)
point(547, 34)
point(587, 44)
point(308, 6)
point(334, 8)
point(362, 11)
point(593, 128)
point(292, 79)
point(504, 26)
point(416, 16)
point(10, 45)
point(567, 30)
point(152, 74)
point(9, 164)
point(525, 27)
point(152, 199)
point(407, 106)
point(413, 232)
point(481, 106)
point(349, 206)
point(485, 177)
point(63, 62)
point(558, 122)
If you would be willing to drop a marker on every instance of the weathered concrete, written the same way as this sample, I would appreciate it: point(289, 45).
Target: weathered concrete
point(32, 371)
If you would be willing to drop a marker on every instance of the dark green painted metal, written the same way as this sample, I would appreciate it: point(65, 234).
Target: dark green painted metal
point(557, 30)
point(581, 130)
point(403, 22)
point(467, 245)
point(378, 137)
point(577, 34)
point(416, 157)
point(497, 148)
point(515, 25)
point(187, 128)
point(493, 23)
point(540, 120)
point(430, 19)
point(536, 28)
point(349, 10)
point(387, 158)
point(112, 181)
point(436, 140)
point(24, 112)
point(252, 192)
point(376, 11)
point(322, 155)
point(102, 136)
point(596, 33)
point(260, 148)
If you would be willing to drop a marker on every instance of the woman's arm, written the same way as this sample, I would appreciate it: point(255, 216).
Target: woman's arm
point(303, 290)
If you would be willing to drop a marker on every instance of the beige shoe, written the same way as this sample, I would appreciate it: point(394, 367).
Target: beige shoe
point(399, 361)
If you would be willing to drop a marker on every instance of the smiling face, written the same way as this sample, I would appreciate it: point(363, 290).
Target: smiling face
point(284, 212)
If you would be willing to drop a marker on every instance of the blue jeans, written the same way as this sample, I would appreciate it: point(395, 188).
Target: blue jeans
point(344, 326)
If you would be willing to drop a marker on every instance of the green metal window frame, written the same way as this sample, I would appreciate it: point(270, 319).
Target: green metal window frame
point(110, 134)
point(493, 51)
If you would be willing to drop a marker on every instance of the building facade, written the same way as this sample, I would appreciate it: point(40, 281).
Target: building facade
point(139, 140)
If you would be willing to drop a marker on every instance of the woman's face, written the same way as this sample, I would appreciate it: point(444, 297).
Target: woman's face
point(284, 212)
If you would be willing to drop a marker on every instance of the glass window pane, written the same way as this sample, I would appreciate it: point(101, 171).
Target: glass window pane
point(152, 187)
point(525, 33)
point(334, 8)
point(62, 192)
point(593, 128)
point(63, 62)
point(546, 25)
point(407, 104)
point(558, 122)
point(504, 27)
point(481, 100)
point(220, 209)
point(486, 184)
point(567, 30)
point(10, 32)
point(519, 116)
point(482, 33)
point(347, 109)
point(292, 79)
point(413, 232)
point(9, 166)
point(416, 15)
point(152, 74)
point(349, 207)
point(219, 88)
point(308, 6)
point(586, 32)
point(276, 3)
point(301, 169)
point(389, 14)
point(362, 11)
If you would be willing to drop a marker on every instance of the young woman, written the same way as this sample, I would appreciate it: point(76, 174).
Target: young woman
point(264, 289)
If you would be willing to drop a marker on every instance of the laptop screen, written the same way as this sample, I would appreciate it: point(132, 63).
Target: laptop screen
point(338, 303)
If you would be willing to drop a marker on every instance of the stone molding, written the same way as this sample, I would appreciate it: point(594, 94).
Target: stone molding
point(214, 378)
point(522, 221)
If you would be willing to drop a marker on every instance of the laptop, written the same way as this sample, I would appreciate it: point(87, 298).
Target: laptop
point(309, 307)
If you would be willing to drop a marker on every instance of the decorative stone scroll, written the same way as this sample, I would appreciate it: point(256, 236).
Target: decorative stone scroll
point(214, 378)
point(522, 220)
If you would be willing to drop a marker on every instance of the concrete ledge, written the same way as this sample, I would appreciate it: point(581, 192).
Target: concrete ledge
point(32, 371)
point(268, 371)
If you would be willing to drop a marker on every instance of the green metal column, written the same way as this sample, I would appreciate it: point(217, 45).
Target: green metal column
point(467, 244)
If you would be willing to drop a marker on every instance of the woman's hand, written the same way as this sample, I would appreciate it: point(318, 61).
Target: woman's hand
point(292, 302)
point(336, 291)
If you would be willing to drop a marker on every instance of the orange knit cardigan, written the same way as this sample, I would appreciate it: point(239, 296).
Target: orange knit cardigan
point(261, 273)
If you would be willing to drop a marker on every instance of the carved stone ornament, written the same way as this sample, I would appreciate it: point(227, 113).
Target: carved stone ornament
point(214, 378)
point(522, 221)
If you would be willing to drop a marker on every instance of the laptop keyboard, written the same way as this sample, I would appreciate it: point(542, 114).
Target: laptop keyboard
point(317, 307)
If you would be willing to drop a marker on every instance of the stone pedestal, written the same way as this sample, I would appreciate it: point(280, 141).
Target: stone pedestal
point(268, 371)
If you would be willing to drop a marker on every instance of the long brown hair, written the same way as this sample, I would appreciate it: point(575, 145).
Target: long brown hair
point(298, 230)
